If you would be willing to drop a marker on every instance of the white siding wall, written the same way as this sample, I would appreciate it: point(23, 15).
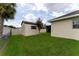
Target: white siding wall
point(16, 31)
point(27, 31)
point(64, 29)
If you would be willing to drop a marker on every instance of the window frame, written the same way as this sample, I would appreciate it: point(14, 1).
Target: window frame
point(75, 24)
point(33, 27)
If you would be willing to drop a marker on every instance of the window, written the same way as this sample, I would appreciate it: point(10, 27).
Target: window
point(75, 23)
point(33, 27)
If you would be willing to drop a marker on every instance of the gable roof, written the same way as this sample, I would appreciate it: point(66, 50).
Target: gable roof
point(26, 22)
point(69, 15)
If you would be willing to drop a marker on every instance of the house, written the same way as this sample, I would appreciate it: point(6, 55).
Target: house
point(66, 26)
point(29, 28)
point(26, 29)
point(16, 31)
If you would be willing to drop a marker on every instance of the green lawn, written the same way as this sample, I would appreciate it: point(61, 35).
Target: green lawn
point(41, 45)
point(2, 43)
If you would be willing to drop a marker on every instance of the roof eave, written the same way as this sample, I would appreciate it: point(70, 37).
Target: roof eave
point(28, 22)
point(53, 20)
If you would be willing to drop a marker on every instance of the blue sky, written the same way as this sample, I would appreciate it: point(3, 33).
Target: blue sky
point(46, 11)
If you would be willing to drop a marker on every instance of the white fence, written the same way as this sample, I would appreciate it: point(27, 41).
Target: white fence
point(16, 31)
point(43, 30)
point(19, 31)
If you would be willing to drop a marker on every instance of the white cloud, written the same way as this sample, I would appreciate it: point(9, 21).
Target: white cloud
point(35, 6)
point(30, 17)
point(22, 4)
point(40, 6)
point(59, 7)
point(46, 22)
point(6, 22)
point(57, 14)
point(72, 7)
point(12, 22)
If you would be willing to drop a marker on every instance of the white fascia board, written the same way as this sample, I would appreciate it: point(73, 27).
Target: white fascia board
point(64, 17)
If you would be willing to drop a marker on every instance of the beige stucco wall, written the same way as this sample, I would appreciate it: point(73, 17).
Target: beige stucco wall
point(27, 31)
point(16, 31)
point(42, 30)
point(65, 29)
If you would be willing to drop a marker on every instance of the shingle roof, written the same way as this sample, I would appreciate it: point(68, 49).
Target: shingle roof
point(69, 14)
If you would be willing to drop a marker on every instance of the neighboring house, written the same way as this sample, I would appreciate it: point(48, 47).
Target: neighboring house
point(29, 28)
point(66, 26)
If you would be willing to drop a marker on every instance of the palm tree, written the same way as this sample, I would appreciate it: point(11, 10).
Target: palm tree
point(7, 11)
point(39, 24)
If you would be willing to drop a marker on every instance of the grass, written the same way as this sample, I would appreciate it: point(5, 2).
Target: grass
point(41, 45)
point(2, 42)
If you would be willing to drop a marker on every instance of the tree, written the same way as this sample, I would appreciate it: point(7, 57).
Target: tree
point(39, 24)
point(7, 11)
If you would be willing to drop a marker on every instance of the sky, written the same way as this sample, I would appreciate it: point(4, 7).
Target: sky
point(46, 11)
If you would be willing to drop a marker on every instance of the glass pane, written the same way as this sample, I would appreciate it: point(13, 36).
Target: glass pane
point(76, 24)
